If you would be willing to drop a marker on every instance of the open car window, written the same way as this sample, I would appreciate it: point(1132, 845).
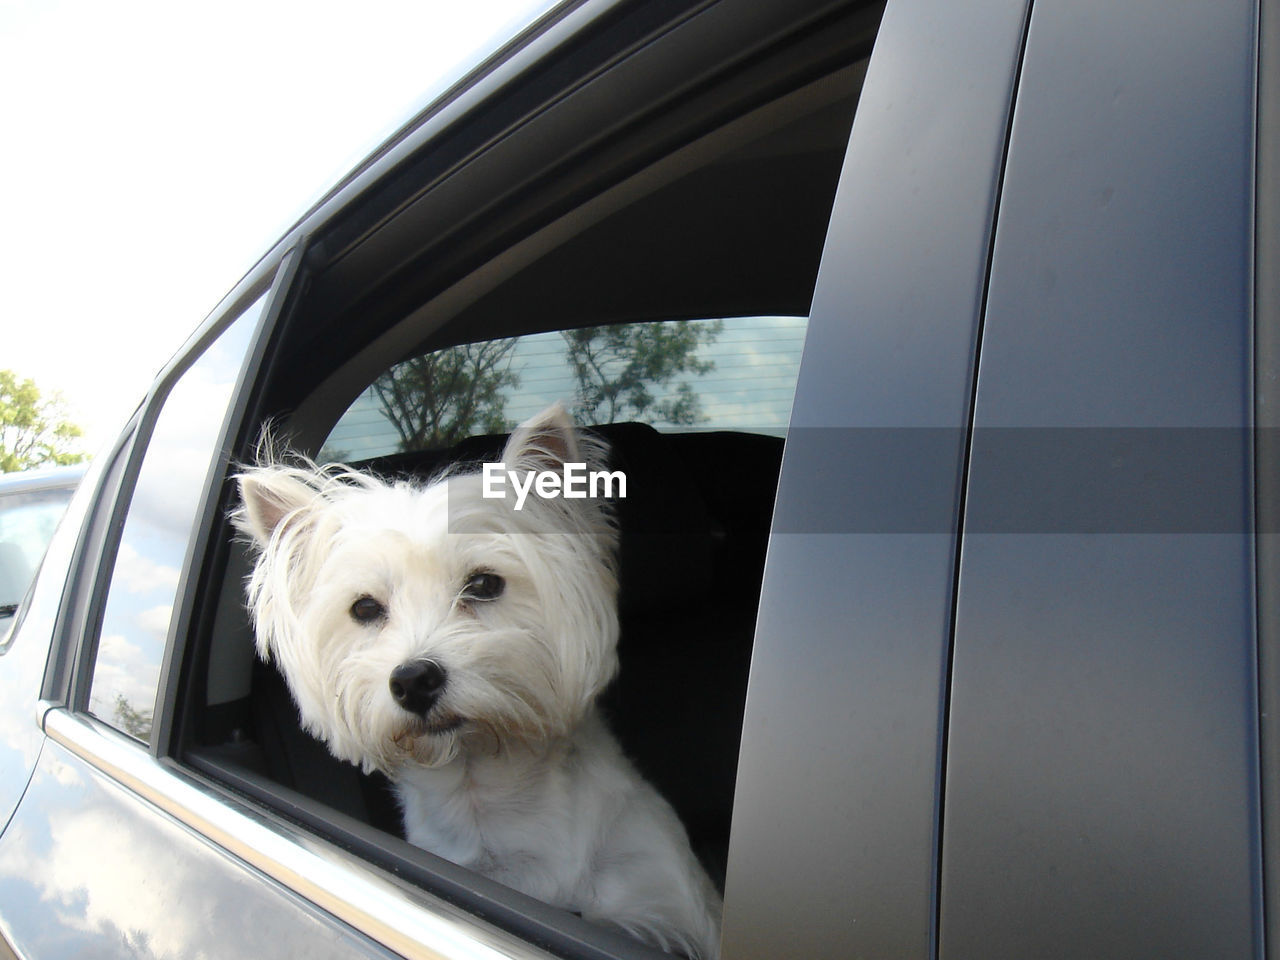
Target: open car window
point(666, 309)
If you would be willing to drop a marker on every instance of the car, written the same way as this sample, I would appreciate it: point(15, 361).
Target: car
point(939, 343)
point(31, 504)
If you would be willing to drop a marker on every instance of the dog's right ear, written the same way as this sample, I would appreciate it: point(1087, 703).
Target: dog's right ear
point(267, 497)
point(546, 441)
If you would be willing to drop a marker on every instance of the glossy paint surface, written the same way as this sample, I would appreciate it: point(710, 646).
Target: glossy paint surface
point(87, 869)
point(1101, 786)
point(833, 845)
point(24, 654)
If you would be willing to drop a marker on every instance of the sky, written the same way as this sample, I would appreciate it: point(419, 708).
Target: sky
point(152, 151)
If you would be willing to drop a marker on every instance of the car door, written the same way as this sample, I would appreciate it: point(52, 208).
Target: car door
point(834, 849)
point(1101, 788)
point(1009, 709)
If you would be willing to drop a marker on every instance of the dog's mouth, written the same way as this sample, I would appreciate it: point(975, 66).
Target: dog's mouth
point(443, 725)
point(427, 727)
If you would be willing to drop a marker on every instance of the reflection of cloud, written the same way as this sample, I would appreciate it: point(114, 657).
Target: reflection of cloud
point(65, 774)
point(102, 881)
point(133, 638)
point(106, 882)
point(141, 574)
point(89, 869)
point(155, 621)
point(173, 475)
point(153, 545)
point(128, 670)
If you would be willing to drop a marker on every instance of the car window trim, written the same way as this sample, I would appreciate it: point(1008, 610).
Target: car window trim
point(94, 530)
point(1266, 318)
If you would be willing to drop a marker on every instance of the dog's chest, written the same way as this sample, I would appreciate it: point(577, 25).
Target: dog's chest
point(522, 823)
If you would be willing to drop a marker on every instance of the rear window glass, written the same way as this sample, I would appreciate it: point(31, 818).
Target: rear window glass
point(736, 373)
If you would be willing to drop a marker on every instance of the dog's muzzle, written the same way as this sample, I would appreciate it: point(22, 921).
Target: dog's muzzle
point(417, 685)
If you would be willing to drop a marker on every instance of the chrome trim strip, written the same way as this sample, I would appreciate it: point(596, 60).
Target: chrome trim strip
point(415, 925)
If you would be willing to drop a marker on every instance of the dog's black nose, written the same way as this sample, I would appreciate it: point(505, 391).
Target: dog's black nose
point(416, 685)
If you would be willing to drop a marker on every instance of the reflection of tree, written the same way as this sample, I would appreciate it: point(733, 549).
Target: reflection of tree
point(131, 720)
point(616, 366)
point(439, 398)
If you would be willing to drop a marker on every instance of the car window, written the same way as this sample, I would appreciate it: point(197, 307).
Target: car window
point(27, 522)
point(152, 548)
point(666, 309)
point(736, 373)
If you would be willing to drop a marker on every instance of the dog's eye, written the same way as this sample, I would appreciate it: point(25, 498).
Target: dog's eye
point(483, 586)
point(367, 610)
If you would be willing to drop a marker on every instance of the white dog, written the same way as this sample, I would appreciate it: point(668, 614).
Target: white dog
point(459, 645)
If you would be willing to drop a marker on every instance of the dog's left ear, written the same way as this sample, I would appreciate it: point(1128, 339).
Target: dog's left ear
point(267, 497)
point(546, 441)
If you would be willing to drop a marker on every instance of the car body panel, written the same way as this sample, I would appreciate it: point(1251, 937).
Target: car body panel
point(1102, 769)
point(833, 846)
point(122, 878)
point(32, 503)
point(24, 653)
point(92, 780)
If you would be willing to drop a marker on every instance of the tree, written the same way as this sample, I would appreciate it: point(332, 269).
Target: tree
point(436, 399)
point(34, 431)
point(617, 366)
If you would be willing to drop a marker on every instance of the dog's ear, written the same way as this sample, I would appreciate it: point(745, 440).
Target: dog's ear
point(546, 441)
point(267, 496)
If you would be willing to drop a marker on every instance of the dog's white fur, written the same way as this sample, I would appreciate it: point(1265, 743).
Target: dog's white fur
point(511, 772)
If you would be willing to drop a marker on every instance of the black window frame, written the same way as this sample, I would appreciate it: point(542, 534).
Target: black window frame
point(95, 534)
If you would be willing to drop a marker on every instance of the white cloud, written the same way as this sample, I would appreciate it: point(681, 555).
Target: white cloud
point(154, 151)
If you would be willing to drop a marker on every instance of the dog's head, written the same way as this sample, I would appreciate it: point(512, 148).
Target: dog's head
point(413, 622)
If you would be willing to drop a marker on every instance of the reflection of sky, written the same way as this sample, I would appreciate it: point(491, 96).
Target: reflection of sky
point(28, 521)
point(756, 362)
point(23, 657)
point(157, 530)
point(86, 870)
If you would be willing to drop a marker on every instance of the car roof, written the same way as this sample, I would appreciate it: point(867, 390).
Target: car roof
point(51, 478)
point(525, 26)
